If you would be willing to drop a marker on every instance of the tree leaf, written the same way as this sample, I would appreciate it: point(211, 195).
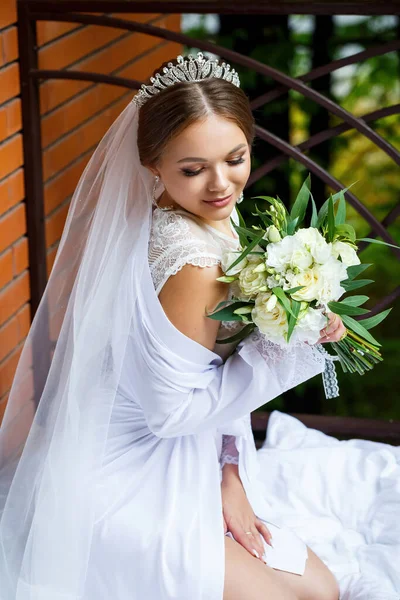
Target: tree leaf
point(372, 241)
point(293, 318)
point(291, 226)
point(340, 308)
point(349, 285)
point(371, 322)
point(355, 300)
point(294, 289)
point(359, 329)
point(331, 220)
point(227, 314)
point(283, 299)
point(340, 217)
point(246, 251)
point(300, 205)
point(355, 270)
point(314, 216)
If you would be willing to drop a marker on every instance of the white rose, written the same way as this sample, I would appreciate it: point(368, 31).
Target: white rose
point(279, 254)
point(315, 243)
point(256, 258)
point(272, 323)
point(237, 292)
point(250, 281)
point(308, 326)
point(330, 275)
point(311, 280)
point(301, 258)
point(346, 252)
point(228, 257)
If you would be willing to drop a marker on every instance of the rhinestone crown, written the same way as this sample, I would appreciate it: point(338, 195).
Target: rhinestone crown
point(187, 69)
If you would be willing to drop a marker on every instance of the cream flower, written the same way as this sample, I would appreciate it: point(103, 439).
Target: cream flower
point(308, 326)
point(346, 252)
point(228, 257)
point(279, 254)
point(250, 281)
point(330, 275)
point(272, 323)
point(311, 279)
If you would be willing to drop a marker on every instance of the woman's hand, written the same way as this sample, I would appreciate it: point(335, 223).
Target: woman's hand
point(334, 331)
point(239, 516)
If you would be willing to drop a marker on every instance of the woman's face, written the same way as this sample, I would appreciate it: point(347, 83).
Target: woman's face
point(209, 160)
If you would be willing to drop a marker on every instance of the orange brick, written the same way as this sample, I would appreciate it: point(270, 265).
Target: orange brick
point(24, 322)
point(10, 45)
point(72, 47)
point(12, 226)
point(8, 337)
point(10, 118)
point(54, 93)
point(62, 186)
point(70, 147)
point(9, 82)
point(11, 156)
point(15, 295)
point(20, 256)
point(49, 30)
point(8, 12)
point(6, 270)
point(7, 370)
point(12, 191)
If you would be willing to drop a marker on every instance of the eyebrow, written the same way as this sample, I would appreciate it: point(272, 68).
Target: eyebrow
point(198, 159)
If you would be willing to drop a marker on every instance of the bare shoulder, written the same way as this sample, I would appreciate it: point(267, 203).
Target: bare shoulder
point(188, 296)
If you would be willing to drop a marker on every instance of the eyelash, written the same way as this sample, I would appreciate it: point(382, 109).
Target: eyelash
point(232, 163)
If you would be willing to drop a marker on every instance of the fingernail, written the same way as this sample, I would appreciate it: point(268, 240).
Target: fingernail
point(256, 553)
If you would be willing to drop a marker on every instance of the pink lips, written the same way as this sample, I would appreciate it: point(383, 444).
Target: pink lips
point(219, 201)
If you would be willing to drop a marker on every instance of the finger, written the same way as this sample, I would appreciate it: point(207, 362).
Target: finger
point(265, 532)
point(332, 325)
point(252, 543)
point(225, 525)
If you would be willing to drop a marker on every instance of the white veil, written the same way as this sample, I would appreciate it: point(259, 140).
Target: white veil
point(50, 451)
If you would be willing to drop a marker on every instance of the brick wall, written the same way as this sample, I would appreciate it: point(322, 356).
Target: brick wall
point(75, 115)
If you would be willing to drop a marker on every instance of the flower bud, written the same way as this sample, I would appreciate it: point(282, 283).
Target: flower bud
point(273, 234)
point(244, 310)
point(271, 303)
point(260, 268)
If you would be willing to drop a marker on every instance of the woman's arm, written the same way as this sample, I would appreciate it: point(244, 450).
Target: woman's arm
point(249, 378)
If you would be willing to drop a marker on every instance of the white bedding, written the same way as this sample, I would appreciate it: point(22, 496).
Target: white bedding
point(342, 498)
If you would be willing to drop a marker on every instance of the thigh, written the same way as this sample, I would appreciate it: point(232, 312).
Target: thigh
point(317, 582)
point(247, 578)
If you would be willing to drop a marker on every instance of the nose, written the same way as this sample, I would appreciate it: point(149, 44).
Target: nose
point(218, 183)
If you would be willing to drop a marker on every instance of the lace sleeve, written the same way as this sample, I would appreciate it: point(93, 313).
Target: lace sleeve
point(229, 452)
point(175, 241)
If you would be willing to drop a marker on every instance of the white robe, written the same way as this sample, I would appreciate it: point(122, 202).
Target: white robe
point(159, 531)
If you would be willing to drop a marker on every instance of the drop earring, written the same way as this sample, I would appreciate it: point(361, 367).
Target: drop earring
point(240, 199)
point(156, 182)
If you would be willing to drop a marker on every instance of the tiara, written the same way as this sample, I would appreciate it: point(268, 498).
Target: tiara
point(190, 69)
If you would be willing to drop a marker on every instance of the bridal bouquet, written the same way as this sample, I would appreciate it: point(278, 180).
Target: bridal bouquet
point(286, 278)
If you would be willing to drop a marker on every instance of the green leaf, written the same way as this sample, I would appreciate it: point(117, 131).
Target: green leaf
point(377, 242)
point(227, 314)
point(295, 289)
point(248, 233)
point(300, 205)
point(356, 326)
point(323, 211)
point(340, 217)
point(242, 224)
point(291, 226)
point(283, 299)
point(246, 251)
point(371, 322)
point(293, 318)
point(355, 270)
point(264, 218)
point(314, 216)
point(227, 278)
point(345, 231)
point(349, 285)
point(331, 220)
point(355, 300)
point(238, 336)
point(340, 308)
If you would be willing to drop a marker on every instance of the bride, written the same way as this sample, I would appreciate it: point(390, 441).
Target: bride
point(128, 468)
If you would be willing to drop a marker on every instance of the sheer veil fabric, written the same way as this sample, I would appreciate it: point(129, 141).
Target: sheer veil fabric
point(49, 456)
point(115, 351)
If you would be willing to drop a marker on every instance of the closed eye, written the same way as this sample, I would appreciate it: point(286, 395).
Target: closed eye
point(232, 163)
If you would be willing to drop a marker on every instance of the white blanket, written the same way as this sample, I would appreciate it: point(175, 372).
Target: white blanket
point(342, 498)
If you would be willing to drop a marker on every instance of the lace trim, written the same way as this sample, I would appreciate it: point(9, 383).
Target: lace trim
point(295, 363)
point(229, 452)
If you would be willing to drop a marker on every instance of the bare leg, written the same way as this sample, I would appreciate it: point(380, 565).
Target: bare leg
point(247, 578)
point(317, 583)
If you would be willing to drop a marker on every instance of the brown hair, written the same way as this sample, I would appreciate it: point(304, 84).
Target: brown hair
point(175, 108)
